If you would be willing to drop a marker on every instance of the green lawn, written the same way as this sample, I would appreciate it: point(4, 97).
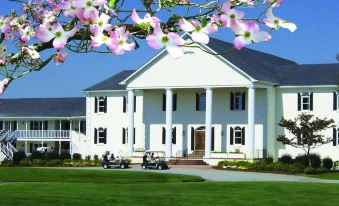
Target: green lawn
point(330, 176)
point(96, 187)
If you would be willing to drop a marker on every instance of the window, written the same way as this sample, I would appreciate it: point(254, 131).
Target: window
point(100, 135)
point(100, 104)
point(174, 107)
point(237, 135)
point(174, 135)
point(336, 101)
point(125, 104)
point(201, 102)
point(125, 136)
point(83, 127)
point(336, 136)
point(305, 101)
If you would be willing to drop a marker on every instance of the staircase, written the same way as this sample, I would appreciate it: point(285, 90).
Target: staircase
point(186, 162)
point(7, 138)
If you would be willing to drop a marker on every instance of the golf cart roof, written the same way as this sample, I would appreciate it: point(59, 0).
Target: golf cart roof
point(154, 151)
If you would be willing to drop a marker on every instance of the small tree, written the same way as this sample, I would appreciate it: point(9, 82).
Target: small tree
point(305, 130)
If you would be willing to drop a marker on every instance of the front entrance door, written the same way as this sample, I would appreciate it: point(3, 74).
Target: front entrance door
point(199, 141)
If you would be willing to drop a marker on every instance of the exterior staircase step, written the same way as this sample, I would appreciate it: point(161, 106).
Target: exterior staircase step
point(186, 162)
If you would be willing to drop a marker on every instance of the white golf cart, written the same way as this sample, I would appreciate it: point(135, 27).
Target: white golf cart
point(154, 160)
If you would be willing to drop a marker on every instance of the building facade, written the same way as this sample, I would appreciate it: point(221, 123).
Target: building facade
point(206, 106)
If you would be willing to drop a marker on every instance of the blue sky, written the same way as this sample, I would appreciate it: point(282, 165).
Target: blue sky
point(315, 41)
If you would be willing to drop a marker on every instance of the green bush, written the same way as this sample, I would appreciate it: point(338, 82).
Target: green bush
point(18, 156)
point(328, 163)
point(53, 163)
point(286, 158)
point(88, 157)
point(96, 158)
point(38, 162)
point(269, 159)
point(25, 162)
point(128, 161)
point(320, 170)
point(6, 163)
point(314, 171)
point(64, 155)
point(315, 160)
point(309, 170)
point(37, 155)
point(52, 155)
point(76, 156)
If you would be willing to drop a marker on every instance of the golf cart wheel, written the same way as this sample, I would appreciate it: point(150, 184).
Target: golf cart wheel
point(122, 166)
point(105, 166)
point(160, 167)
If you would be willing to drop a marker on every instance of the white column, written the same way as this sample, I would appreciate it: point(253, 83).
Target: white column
point(250, 143)
point(70, 137)
point(60, 135)
point(130, 112)
point(169, 113)
point(42, 135)
point(271, 124)
point(208, 122)
point(26, 127)
point(79, 124)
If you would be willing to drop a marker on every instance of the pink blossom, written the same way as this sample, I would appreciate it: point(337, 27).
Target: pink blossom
point(171, 41)
point(68, 8)
point(3, 83)
point(4, 24)
point(101, 23)
point(60, 58)
point(46, 33)
point(88, 6)
point(248, 33)
point(146, 22)
point(275, 22)
point(26, 33)
point(120, 37)
point(199, 31)
point(100, 38)
point(275, 3)
point(230, 17)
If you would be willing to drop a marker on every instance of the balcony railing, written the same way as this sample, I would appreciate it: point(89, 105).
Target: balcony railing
point(41, 134)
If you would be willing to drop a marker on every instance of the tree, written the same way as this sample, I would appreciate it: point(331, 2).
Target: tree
point(306, 132)
point(42, 30)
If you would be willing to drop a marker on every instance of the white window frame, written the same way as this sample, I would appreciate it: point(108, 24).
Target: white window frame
point(236, 130)
point(305, 95)
point(101, 107)
point(238, 105)
point(101, 131)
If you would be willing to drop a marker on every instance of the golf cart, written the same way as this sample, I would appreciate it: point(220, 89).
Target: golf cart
point(109, 161)
point(154, 160)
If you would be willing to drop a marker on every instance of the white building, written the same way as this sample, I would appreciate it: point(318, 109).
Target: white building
point(203, 105)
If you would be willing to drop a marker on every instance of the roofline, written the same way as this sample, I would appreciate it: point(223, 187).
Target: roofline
point(51, 118)
point(92, 91)
point(311, 86)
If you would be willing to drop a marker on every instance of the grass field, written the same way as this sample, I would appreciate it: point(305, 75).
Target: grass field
point(329, 176)
point(22, 186)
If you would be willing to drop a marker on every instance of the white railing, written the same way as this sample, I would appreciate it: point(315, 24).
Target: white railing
point(8, 149)
point(41, 134)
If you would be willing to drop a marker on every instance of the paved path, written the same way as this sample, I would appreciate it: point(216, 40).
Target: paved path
point(211, 174)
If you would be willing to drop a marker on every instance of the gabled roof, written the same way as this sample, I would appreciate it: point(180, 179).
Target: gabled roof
point(111, 83)
point(43, 107)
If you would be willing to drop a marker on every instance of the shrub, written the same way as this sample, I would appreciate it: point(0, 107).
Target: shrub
point(88, 157)
point(76, 156)
point(65, 155)
point(38, 162)
point(96, 158)
point(320, 170)
point(286, 158)
point(18, 156)
point(128, 161)
point(52, 155)
point(315, 160)
point(37, 155)
point(309, 170)
point(269, 159)
point(328, 163)
point(25, 162)
point(53, 163)
point(6, 163)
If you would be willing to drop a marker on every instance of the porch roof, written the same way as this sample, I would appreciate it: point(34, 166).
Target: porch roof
point(43, 107)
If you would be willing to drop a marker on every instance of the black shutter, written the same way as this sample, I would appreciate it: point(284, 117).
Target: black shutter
point(105, 108)
point(1, 125)
point(175, 102)
point(212, 142)
point(243, 101)
point(335, 137)
point(298, 139)
point(134, 135)
point(15, 127)
point(123, 135)
point(96, 105)
point(311, 101)
point(232, 101)
point(31, 125)
point(335, 101)
point(299, 102)
point(163, 102)
point(174, 135)
point(135, 103)
point(163, 135)
point(105, 135)
point(95, 135)
point(192, 138)
point(197, 101)
point(124, 104)
point(45, 125)
point(243, 136)
point(231, 135)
